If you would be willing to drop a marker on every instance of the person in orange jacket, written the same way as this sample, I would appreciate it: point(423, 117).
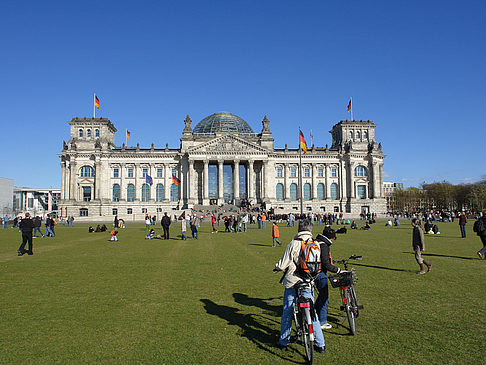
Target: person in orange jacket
point(275, 235)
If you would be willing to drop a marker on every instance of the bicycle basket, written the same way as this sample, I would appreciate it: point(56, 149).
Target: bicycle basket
point(342, 279)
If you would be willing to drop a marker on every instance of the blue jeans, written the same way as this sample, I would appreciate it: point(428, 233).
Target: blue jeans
point(463, 231)
point(289, 298)
point(183, 234)
point(263, 224)
point(38, 229)
point(259, 224)
point(48, 229)
point(322, 301)
point(244, 227)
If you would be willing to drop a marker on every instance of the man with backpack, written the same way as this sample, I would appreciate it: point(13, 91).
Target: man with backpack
point(480, 229)
point(293, 267)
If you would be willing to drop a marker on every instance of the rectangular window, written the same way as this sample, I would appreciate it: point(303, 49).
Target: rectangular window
point(97, 132)
point(293, 172)
point(86, 193)
point(83, 212)
point(320, 172)
point(115, 172)
point(361, 190)
point(130, 172)
point(159, 173)
point(144, 210)
point(114, 211)
point(306, 172)
point(30, 202)
point(279, 172)
point(129, 210)
point(144, 172)
point(174, 172)
point(334, 172)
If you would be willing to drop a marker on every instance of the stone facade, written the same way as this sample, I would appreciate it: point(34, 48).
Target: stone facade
point(227, 164)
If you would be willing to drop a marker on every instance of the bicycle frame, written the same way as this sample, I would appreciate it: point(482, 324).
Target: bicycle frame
point(303, 318)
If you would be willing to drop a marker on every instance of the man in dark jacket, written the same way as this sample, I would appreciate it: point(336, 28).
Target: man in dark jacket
point(165, 222)
point(325, 240)
point(26, 226)
point(462, 224)
point(418, 245)
point(37, 225)
point(480, 229)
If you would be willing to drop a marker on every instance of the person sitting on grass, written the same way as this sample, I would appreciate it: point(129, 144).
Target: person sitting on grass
point(354, 225)
point(366, 227)
point(103, 228)
point(397, 222)
point(388, 223)
point(91, 229)
point(98, 228)
point(150, 235)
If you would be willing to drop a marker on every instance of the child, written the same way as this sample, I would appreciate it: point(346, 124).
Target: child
point(113, 235)
point(150, 235)
point(275, 235)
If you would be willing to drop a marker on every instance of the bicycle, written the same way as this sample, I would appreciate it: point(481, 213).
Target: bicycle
point(345, 282)
point(304, 316)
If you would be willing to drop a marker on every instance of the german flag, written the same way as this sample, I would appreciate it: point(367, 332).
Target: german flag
point(128, 134)
point(303, 145)
point(175, 180)
point(97, 102)
point(349, 106)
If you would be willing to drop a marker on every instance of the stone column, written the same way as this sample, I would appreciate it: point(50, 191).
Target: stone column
point(352, 180)
point(97, 180)
point(343, 193)
point(327, 175)
point(236, 180)
point(191, 183)
point(220, 182)
point(63, 180)
point(137, 184)
point(123, 191)
point(206, 183)
point(181, 184)
point(152, 187)
point(167, 182)
point(265, 179)
point(251, 178)
point(314, 181)
point(74, 182)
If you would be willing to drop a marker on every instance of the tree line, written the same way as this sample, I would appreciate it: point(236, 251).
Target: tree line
point(440, 196)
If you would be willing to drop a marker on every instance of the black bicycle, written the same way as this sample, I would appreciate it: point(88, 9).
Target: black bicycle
point(345, 282)
point(304, 315)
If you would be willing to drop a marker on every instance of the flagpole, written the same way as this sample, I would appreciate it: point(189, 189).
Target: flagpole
point(300, 178)
point(352, 109)
point(126, 137)
point(94, 105)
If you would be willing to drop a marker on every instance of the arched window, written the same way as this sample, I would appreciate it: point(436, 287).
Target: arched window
point(365, 135)
point(145, 192)
point(360, 171)
point(358, 135)
point(87, 171)
point(334, 191)
point(159, 192)
point(293, 191)
point(307, 192)
point(174, 193)
point(97, 132)
point(80, 133)
point(350, 134)
point(116, 193)
point(320, 191)
point(130, 193)
point(88, 133)
point(279, 192)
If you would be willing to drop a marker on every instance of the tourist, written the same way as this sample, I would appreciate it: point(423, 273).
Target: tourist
point(26, 227)
point(165, 222)
point(91, 229)
point(113, 235)
point(462, 224)
point(148, 222)
point(275, 235)
point(183, 226)
point(150, 235)
point(213, 223)
point(37, 225)
point(418, 245)
point(288, 264)
point(480, 229)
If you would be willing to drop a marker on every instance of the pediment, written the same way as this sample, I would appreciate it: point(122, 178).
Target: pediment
point(228, 144)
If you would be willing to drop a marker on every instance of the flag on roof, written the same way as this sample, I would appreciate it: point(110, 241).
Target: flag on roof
point(97, 102)
point(349, 105)
point(303, 145)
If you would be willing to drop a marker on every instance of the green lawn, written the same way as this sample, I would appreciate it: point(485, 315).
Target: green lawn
point(83, 299)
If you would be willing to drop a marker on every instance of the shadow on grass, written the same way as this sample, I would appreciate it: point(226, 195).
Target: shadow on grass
point(259, 244)
point(275, 310)
point(439, 255)
point(256, 328)
point(380, 267)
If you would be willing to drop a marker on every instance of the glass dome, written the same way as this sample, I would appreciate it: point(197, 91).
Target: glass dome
point(222, 123)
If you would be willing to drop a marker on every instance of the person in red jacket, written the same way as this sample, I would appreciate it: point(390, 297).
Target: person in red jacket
point(275, 235)
point(213, 222)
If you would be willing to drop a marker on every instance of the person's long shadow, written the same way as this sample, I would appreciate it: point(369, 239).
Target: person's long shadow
point(439, 255)
point(380, 267)
point(275, 310)
point(258, 329)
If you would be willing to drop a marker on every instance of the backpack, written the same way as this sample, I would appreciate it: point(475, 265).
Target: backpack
point(479, 226)
point(309, 265)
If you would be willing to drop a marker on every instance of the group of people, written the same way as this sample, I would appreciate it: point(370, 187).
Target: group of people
point(98, 228)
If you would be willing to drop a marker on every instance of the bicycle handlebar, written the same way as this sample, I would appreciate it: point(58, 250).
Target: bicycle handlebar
point(352, 257)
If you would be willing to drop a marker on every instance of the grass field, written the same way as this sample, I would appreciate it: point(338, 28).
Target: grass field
point(83, 299)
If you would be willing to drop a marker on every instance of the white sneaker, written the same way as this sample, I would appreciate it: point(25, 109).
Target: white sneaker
point(326, 326)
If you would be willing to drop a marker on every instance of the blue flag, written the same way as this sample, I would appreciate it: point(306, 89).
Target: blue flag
point(148, 179)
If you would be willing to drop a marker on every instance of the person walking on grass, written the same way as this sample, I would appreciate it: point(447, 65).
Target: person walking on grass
point(480, 229)
point(418, 244)
point(183, 226)
point(462, 224)
point(26, 227)
point(275, 235)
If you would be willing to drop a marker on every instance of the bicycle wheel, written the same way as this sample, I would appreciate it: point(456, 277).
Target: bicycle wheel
point(354, 302)
point(298, 327)
point(308, 343)
point(350, 311)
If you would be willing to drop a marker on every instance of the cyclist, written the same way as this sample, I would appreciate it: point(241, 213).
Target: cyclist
point(325, 241)
point(288, 262)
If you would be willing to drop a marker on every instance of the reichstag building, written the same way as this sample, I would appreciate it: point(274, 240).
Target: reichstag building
point(220, 160)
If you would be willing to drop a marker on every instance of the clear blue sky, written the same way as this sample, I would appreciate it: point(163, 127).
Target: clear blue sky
point(417, 68)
